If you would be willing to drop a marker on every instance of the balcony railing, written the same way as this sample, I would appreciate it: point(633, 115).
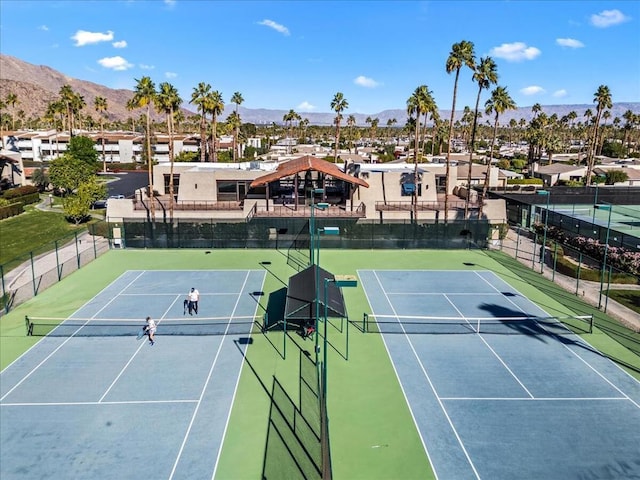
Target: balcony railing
point(421, 206)
point(187, 205)
point(303, 211)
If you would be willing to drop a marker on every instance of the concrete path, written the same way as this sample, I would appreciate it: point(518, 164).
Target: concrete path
point(588, 291)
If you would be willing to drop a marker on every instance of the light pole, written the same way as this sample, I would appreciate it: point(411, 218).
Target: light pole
point(312, 220)
point(546, 223)
point(606, 248)
point(326, 231)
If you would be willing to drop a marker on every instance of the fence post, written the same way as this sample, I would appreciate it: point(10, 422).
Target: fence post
point(93, 235)
point(578, 275)
point(75, 235)
point(533, 253)
point(33, 274)
point(555, 261)
point(606, 300)
point(517, 242)
point(5, 298)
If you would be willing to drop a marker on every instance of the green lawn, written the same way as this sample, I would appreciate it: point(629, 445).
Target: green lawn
point(628, 298)
point(32, 231)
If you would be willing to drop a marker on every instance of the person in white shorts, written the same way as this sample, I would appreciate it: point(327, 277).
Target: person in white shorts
point(150, 330)
point(193, 297)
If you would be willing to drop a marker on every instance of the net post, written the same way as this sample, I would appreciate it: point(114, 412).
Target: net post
point(590, 323)
point(27, 324)
point(365, 321)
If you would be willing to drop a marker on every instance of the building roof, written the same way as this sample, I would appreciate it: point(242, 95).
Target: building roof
point(303, 164)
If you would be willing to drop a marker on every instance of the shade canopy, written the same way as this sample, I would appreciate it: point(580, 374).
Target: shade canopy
point(303, 164)
point(301, 303)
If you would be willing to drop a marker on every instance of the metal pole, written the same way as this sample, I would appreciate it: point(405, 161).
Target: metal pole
point(324, 353)
point(555, 261)
point(317, 299)
point(33, 275)
point(544, 239)
point(578, 274)
point(4, 292)
point(606, 300)
point(604, 261)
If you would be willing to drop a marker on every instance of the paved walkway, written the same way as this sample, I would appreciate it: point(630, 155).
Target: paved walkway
point(588, 291)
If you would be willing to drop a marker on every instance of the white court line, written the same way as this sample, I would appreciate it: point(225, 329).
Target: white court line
point(204, 389)
point(206, 294)
point(504, 364)
point(444, 293)
point(62, 344)
point(235, 390)
point(136, 352)
point(579, 340)
point(124, 402)
point(535, 399)
point(93, 298)
point(433, 389)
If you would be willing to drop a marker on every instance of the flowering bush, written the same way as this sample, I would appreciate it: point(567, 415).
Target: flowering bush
point(621, 258)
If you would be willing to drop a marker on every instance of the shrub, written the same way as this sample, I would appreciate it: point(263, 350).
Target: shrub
point(19, 192)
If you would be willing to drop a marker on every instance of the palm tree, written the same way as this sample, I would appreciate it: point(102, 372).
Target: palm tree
point(602, 98)
point(485, 75)
point(168, 101)
point(461, 55)
point(144, 95)
point(419, 103)
point(606, 115)
point(288, 118)
point(100, 104)
point(536, 109)
point(12, 99)
point(351, 122)
point(499, 103)
point(233, 122)
point(66, 96)
point(338, 105)
point(199, 98)
point(215, 106)
point(237, 99)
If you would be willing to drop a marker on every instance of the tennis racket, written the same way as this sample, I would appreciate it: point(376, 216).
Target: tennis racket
point(142, 332)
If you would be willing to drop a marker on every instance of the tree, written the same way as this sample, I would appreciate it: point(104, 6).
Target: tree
point(602, 98)
point(83, 148)
point(499, 103)
point(168, 101)
point(40, 179)
point(419, 103)
point(351, 122)
point(338, 105)
point(461, 55)
point(12, 99)
point(143, 97)
point(616, 176)
point(485, 75)
point(67, 173)
point(77, 206)
point(237, 99)
point(100, 104)
point(215, 106)
point(288, 118)
point(199, 98)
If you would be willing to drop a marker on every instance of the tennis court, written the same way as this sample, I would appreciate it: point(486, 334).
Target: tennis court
point(524, 398)
point(90, 400)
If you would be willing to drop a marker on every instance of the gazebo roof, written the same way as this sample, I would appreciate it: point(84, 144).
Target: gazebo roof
point(303, 164)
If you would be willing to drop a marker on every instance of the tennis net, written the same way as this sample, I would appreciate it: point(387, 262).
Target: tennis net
point(523, 325)
point(110, 327)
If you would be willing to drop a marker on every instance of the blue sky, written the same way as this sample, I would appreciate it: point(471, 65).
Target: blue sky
point(298, 54)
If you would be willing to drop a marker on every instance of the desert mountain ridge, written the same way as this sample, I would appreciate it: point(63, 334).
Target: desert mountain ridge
point(38, 85)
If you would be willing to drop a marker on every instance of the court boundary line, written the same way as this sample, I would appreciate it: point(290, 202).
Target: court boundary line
point(202, 392)
point(122, 370)
point(61, 345)
point(120, 402)
point(35, 344)
point(431, 385)
point(534, 399)
point(578, 340)
point(235, 390)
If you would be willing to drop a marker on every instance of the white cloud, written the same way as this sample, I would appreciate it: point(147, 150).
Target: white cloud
point(144, 66)
point(120, 44)
point(532, 90)
point(169, 3)
point(608, 18)
point(306, 106)
point(569, 42)
point(115, 63)
point(515, 52)
point(170, 74)
point(44, 28)
point(82, 37)
point(276, 26)
point(365, 82)
point(560, 93)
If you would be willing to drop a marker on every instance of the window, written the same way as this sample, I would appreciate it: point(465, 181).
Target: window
point(176, 183)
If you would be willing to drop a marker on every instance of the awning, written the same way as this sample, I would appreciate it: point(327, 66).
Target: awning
point(301, 306)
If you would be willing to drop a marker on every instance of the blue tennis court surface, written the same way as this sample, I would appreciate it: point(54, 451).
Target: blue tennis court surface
point(102, 407)
point(529, 402)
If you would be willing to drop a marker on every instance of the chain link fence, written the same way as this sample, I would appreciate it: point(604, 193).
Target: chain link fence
point(23, 277)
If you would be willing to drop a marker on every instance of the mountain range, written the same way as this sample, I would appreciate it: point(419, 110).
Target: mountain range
point(38, 85)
